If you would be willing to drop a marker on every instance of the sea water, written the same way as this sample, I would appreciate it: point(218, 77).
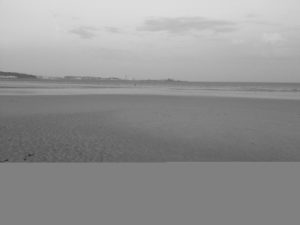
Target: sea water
point(220, 89)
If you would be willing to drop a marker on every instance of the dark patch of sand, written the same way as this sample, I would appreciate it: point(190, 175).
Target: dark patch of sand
point(128, 128)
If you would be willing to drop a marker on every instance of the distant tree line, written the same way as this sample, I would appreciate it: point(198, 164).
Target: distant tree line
point(17, 75)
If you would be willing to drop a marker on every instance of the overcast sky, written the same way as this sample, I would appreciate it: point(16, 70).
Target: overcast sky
point(215, 40)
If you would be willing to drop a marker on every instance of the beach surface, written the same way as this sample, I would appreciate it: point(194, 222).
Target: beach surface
point(147, 128)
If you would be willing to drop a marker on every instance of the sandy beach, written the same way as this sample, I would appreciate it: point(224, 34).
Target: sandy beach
point(147, 128)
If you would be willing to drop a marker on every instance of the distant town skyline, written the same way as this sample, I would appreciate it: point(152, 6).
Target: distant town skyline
point(193, 40)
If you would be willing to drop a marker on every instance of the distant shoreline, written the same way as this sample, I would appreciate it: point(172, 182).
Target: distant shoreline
point(23, 76)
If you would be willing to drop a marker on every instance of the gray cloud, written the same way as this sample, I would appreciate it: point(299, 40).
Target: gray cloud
point(261, 22)
point(272, 38)
point(84, 32)
point(256, 19)
point(179, 25)
point(251, 16)
point(114, 30)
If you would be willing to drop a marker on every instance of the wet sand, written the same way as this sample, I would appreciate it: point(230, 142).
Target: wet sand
point(147, 128)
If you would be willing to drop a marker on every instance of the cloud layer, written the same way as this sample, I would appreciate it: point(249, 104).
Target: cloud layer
point(114, 30)
point(179, 25)
point(84, 32)
point(272, 38)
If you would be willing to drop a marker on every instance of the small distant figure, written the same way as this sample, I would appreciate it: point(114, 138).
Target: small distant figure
point(28, 155)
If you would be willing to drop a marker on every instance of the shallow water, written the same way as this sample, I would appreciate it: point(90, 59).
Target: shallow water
point(225, 89)
point(139, 128)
